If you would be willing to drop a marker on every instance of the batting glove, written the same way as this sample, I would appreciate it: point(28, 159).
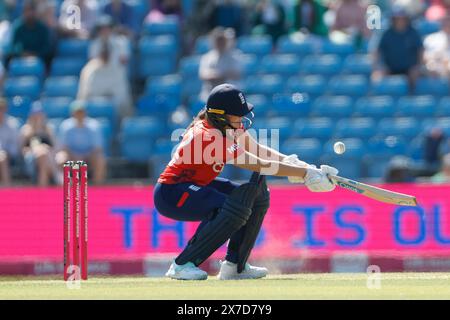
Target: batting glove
point(316, 180)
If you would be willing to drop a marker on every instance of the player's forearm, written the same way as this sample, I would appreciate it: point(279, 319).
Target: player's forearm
point(268, 153)
point(270, 167)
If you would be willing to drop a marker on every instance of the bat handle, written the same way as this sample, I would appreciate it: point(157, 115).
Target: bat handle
point(332, 178)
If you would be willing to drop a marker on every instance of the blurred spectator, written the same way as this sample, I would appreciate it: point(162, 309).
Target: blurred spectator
point(122, 16)
point(399, 170)
point(102, 78)
point(198, 23)
point(46, 12)
point(81, 26)
point(437, 10)
point(118, 45)
point(270, 19)
point(9, 143)
point(414, 8)
point(163, 8)
point(228, 14)
point(350, 19)
point(437, 51)
point(443, 176)
point(81, 139)
point(5, 37)
point(2, 76)
point(308, 15)
point(433, 142)
point(6, 9)
point(400, 51)
point(29, 36)
point(37, 143)
point(221, 64)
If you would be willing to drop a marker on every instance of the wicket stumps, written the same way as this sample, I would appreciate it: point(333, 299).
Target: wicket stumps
point(75, 220)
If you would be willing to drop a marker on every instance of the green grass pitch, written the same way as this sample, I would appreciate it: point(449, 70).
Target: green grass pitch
point(299, 286)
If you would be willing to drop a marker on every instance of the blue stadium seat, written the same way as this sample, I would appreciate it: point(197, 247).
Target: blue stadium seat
point(67, 67)
point(327, 64)
point(358, 64)
point(309, 150)
point(417, 106)
point(292, 105)
point(139, 10)
point(432, 86)
point(282, 64)
point(156, 104)
point(415, 149)
point(57, 107)
point(443, 107)
point(262, 105)
point(106, 129)
point(189, 66)
point(158, 55)
point(22, 86)
point(333, 106)
point(380, 152)
point(202, 45)
point(73, 48)
point(363, 128)
point(250, 64)
point(164, 146)
point(191, 84)
point(196, 104)
point(265, 84)
point(137, 135)
point(391, 85)
point(375, 106)
point(401, 127)
point(190, 88)
point(168, 85)
point(341, 49)
point(102, 108)
point(319, 128)
point(61, 87)
point(168, 26)
point(282, 124)
point(19, 67)
point(313, 85)
point(257, 45)
point(299, 47)
point(351, 85)
point(19, 107)
point(387, 146)
point(376, 166)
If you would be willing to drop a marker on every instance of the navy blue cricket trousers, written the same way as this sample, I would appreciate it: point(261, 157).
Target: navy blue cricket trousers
point(190, 202)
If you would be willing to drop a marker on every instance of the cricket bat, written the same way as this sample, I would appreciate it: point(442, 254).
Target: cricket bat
point(379, 194)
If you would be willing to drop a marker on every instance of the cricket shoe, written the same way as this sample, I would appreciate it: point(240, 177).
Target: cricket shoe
point(187, 271)
point(228, 271)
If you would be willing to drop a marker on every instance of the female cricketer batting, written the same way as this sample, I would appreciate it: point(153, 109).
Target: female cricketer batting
point(189, 188)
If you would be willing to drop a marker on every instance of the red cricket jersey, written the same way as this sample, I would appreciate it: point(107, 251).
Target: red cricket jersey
point(201, 156)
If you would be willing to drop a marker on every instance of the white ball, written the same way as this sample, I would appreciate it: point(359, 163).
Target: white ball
point(339, 147)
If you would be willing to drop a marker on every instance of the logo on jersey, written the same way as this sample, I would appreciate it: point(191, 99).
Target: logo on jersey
point(233, 148)
point(194, 187)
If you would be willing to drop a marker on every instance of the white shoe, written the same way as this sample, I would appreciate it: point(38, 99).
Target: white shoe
point(187, 271)
point(228, 271)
